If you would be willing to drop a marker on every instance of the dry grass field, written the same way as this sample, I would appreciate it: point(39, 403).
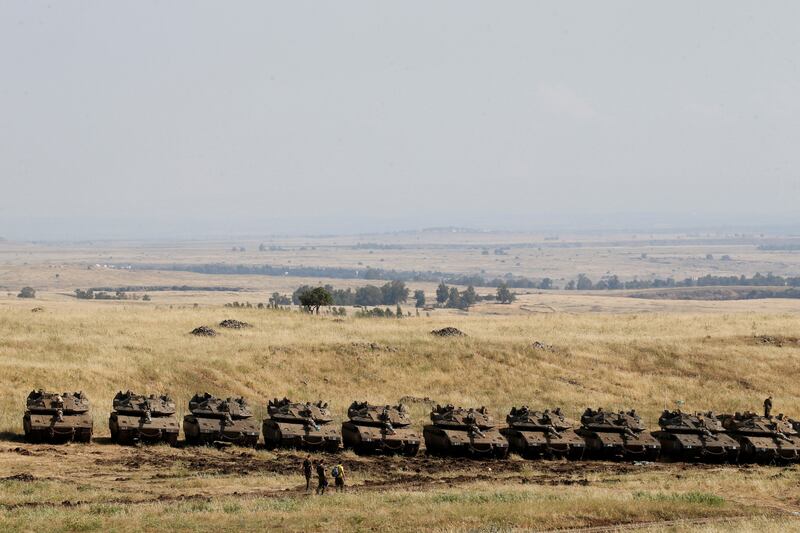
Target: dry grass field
point(607, 350)
point(708, 360)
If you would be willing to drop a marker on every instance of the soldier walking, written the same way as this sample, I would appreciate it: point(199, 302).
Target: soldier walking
point(307, 470)
point(338, 477)
point(767, 407)
point(322, 480)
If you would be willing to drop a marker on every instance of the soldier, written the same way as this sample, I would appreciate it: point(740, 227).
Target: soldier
point(338, 477)
point(307, 470)
point(767, 406)
point(322, 480)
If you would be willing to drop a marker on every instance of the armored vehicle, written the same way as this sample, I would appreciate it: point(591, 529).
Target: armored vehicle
point(140, 418)
point(762, 439)
point(56, 418)
point(380, 429)
point(214, 419)
point(620, 435)
point(695, 437)
point(549, 434)
point(460, 431)
point(306, 426)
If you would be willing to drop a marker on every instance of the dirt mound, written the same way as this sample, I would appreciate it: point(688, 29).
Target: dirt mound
point(448, 332)
point(20, 477)
point(776, 340)
point(204, 331)
point(417, 399)
point(233, 324)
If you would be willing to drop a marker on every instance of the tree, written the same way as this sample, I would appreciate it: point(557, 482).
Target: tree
point(27, 292)
point(570, 286)
point(398, 311)
point(468, 297)
point(584, 283)
point(505, 296)
point(369, 295)
point(394, 292)
point(546, 284)
point(146, 298)
point(453, 298)
point(315, 298)
point(419, 298)
point(442, 293)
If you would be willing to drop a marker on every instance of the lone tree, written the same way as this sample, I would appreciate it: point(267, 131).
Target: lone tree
point(27, 292)
point(315, 298)
point(505, 296)
point(419, 297)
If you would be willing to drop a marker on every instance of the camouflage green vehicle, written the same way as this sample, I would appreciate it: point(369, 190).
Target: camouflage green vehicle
point(380, 429)
point(214, 419)
point(620, 436)
point(548, 434)
point(57, 418)
point(307, 426)
point(459, 431)
point(140, 418)
point(695, 437)
point(762, 439)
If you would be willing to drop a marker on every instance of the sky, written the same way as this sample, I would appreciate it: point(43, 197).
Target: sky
point(153, 118)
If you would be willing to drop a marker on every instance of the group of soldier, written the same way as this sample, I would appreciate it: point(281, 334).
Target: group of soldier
point(309, 467)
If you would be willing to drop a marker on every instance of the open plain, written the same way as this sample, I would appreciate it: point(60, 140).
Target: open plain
point(601, 348)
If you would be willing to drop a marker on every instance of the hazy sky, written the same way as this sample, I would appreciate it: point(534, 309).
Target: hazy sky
point(261, 114)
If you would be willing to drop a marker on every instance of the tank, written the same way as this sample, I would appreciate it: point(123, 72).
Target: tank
point(214, 419)
point(380, 429)
point(619, 436)
point(57, 418)
point(695, 437)
point(542, 434)
point(307, 426)
point(139, 418)
point(762, 439)
point(459, 431)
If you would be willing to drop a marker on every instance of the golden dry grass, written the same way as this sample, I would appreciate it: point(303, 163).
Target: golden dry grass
point(641, 361)
point(708, 360)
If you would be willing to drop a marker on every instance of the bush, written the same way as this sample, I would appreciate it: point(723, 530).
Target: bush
point(27, 292)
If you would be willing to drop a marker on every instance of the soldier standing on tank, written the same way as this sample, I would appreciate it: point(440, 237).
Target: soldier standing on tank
point(322, 480)
point(767, 407)
point(307, 470)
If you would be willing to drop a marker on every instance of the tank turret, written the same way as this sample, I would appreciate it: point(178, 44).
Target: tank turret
point(214, 419)
point(695, 437)
point(617, 435)
point(56, 418)
point(299, 425)
point(140, 418)
point(762, 439)
point(460, 431)
point(380, 429)
point(547, 433)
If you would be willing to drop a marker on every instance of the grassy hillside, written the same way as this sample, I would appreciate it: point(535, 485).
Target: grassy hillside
point(618, 361)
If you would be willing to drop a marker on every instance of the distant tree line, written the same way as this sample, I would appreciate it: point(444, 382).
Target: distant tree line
point(612, 282)
point(91, 294)
point(368, 273)
point(391, 293)
point(159, 288)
